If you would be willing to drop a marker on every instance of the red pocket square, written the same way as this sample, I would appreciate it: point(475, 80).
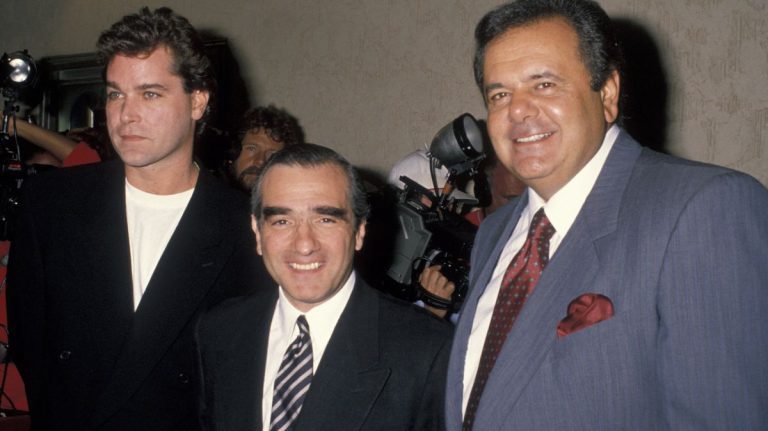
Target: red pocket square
point(584, 311)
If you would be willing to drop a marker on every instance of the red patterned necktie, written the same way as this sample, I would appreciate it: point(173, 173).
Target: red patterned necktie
point(520, 278)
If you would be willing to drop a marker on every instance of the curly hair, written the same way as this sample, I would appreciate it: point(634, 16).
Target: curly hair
point(141, 33)
point(277, 123)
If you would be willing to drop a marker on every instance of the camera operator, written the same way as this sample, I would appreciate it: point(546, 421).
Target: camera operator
point(497, 182)
point(416, 166)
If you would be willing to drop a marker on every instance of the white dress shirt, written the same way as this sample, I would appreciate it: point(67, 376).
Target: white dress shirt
point(322, 321)
point(561, 209)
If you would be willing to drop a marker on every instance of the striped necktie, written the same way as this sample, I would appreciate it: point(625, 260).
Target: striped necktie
point(293, 379)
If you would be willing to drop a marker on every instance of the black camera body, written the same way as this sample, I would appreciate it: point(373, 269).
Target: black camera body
point(428, 235)
point(430, 232)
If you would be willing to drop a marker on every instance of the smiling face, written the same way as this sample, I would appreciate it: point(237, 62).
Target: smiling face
point(150, 118)
point(544, 120)
point(307, 232)
point(256, 147)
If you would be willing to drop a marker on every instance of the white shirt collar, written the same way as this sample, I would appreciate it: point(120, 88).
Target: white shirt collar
point(563, 207)
point(322, 318)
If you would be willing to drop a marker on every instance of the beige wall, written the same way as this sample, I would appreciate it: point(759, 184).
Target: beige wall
point(375, 79)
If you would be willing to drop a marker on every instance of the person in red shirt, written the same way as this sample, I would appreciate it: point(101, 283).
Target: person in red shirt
point(77, 147)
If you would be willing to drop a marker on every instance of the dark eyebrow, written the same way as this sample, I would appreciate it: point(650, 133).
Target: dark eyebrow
point(493, 86)
point(545, 75)
point(336, 212)
point(274, 211)
point(531, 77)
point(114, 85)
point(152, 87)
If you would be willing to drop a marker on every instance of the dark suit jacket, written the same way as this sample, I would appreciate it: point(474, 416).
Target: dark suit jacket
point(383, 369)
point(680, 248)
point(87, 360)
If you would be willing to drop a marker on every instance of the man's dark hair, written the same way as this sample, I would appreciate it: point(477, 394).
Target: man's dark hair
point(141, 33)
point(310, 156)
point(277, 123)
point(598, 44)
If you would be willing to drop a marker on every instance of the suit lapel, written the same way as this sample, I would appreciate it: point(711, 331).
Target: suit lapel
point(106, 282)
point(534, 332)
point(487, 258)
point(479, 278)
point(569, 274)
point(348, 380)
point(182, 278)
point(502, 232)
point(242, 390)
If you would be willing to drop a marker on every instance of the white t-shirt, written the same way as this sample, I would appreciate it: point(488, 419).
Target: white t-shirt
point(152, 219)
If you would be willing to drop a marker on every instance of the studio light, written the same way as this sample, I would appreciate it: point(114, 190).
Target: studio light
point(17, 70)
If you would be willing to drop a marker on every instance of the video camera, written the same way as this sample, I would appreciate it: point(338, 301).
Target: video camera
point(430, 231)
point(17, 71)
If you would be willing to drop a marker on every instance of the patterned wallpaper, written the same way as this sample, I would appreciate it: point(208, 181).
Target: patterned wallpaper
point(377, 78)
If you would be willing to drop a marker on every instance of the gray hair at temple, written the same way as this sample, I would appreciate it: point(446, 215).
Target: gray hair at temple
point(309, 156)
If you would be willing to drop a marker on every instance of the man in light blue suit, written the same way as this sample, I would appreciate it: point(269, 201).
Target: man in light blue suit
point(649, 312)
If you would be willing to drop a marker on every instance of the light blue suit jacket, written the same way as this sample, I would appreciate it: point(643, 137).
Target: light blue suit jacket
point(681, 249)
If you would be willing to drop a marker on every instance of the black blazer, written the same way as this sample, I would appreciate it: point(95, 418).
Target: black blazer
point(87, 360)
point(383, 369)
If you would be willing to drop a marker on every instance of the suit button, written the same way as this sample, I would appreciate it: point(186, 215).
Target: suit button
point(183, 378)
point(64, 355)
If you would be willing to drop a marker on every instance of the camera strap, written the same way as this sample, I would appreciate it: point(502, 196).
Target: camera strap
point(434, 300)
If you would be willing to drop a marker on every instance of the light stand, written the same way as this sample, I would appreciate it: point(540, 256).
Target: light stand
point(17, 71)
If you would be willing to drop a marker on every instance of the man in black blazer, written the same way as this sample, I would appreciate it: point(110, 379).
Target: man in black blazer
point(113, 262)
point(376, 363)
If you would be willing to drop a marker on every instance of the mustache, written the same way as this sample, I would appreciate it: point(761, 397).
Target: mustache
point(251, 170)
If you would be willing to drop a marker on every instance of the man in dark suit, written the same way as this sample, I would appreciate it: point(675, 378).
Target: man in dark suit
point(323, 351)
point(635, 298)
point(113, 262)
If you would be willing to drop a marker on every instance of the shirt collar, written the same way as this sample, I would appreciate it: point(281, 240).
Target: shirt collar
point(563, 207)
point(321, 319)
